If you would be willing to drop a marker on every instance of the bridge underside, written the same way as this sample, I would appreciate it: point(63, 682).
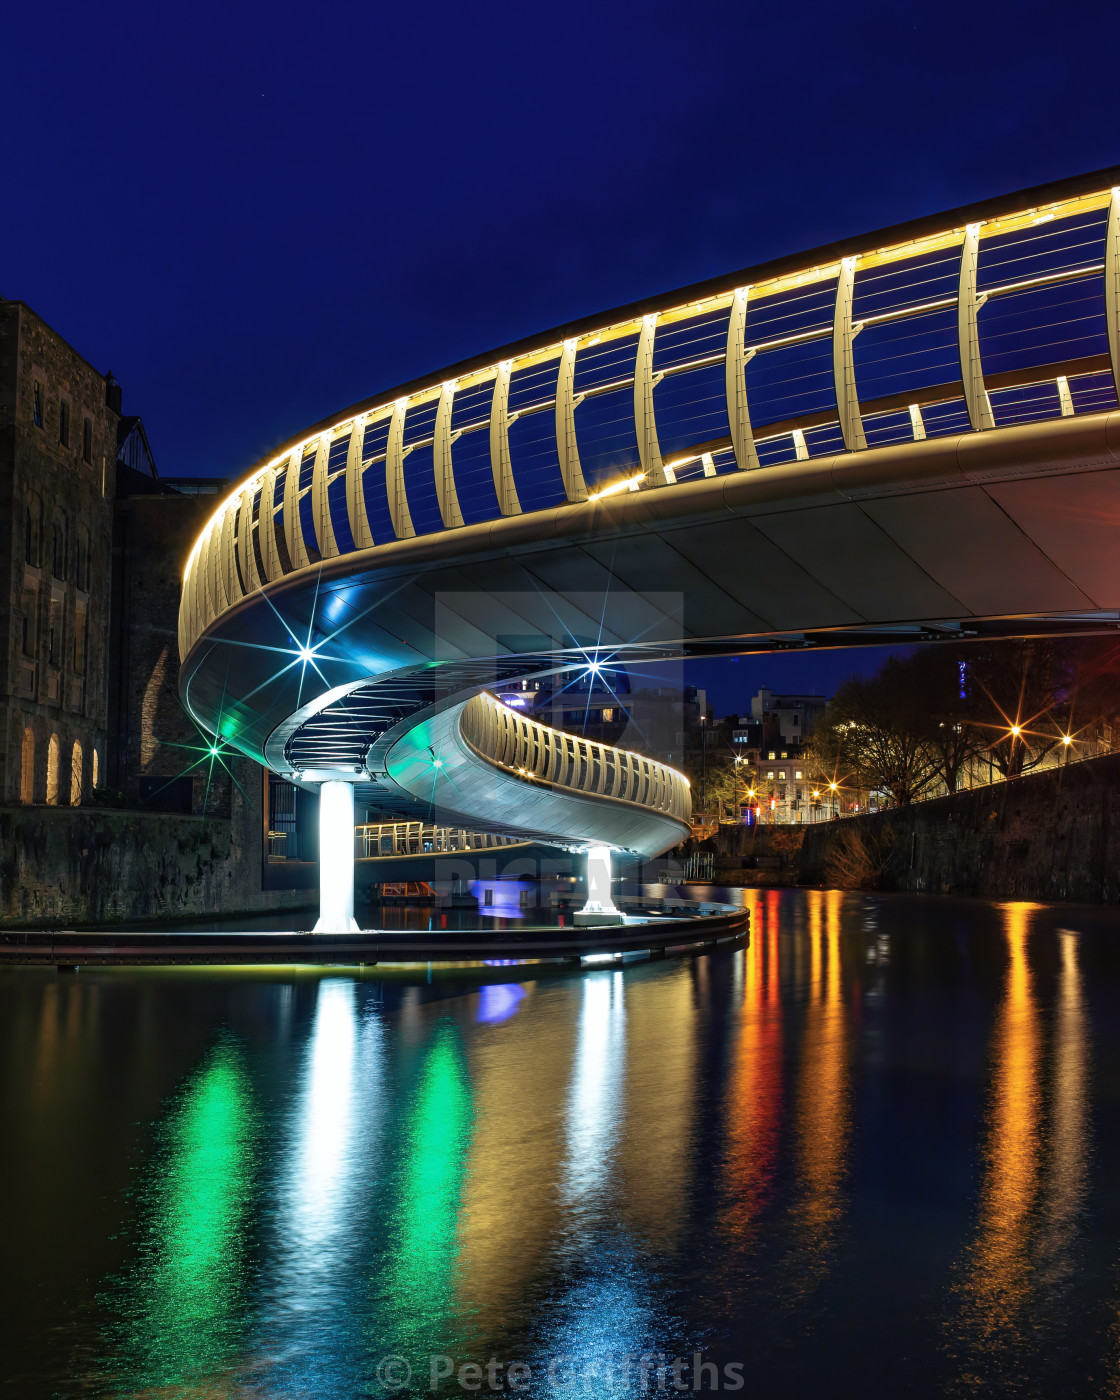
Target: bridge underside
point(336, 669)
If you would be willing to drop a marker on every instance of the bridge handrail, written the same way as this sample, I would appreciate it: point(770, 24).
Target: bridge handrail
point(534, 752)
point(258, 535)
point(421, 838)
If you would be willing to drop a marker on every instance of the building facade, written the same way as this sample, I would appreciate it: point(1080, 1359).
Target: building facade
point(58, 440)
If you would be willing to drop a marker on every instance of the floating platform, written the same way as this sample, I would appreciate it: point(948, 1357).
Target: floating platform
point(654, 934)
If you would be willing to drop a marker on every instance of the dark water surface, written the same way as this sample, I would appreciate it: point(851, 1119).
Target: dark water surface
point(877, 1153)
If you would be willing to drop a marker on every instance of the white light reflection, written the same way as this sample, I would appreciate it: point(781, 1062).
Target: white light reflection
point(326, 1180)
point(594, 1100)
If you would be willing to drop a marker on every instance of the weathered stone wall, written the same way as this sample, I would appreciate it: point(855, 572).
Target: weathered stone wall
point(1050, 836)
point(65, 866)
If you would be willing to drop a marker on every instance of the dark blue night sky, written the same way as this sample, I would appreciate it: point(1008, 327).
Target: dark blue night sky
point(258, 214)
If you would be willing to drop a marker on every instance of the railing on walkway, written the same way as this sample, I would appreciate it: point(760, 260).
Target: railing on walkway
point(1005, 320)
point(417, 838)
point(532, 751)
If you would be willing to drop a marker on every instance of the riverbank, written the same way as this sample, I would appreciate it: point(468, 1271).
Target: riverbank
point(1051, 836)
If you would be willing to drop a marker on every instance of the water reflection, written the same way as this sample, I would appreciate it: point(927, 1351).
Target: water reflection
point(181, 1304)
point(871, 1145)
point(1017, 1272)
point(822, 1106)
point(754, 1098)
point(414, 1286)
point(309, 1334)
point(593, 1118)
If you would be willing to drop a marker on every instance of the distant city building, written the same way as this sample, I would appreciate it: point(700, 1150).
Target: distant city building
point(786, 719)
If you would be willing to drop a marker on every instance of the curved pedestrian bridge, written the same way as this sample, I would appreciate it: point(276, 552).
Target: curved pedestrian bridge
point(907, 436)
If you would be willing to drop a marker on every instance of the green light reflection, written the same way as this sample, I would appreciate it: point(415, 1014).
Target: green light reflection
point(419, 1279)
point(179, 1306)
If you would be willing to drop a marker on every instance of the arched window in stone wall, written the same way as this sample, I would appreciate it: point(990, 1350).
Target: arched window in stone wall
point(59, 545)
point(81, 558)
point(94, 772)
point(27, 768)
point(52, 770)
point(32, 530)
point(76, 775)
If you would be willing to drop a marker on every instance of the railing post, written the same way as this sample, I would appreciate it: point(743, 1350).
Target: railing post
point(735, 383)
point(320, 502)
point(399, 512)
point(968, 334)
point(649, 450)
point(843, 359)
point(446, 492)
point(567, 447)
point(355, 492)
point(293, 527)
point(501, 466)
point(1112, 285)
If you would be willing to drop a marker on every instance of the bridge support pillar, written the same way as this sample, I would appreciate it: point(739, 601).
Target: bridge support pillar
point(336, 858)
point(600, 908)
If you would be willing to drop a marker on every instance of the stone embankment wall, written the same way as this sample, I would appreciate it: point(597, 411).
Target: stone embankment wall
point(64, 866)
point(1048, 836)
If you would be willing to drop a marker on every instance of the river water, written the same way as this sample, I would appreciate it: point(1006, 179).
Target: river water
point(874, 1153)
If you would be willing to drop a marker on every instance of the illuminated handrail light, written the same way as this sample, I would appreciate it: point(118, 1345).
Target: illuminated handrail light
point(629, 483)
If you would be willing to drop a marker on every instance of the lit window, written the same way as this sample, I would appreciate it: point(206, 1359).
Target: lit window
point(782, 775)
point(770, 775)
point(771, 755)
point(608, 715)
point(797, 774)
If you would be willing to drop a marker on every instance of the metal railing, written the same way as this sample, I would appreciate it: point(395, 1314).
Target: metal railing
point(1008, 319)
point(531, 751)
point(418, 838)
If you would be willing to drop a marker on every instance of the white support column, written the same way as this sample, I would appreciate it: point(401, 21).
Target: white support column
point(500, 464)
point(843, 359)
point(293, 529)
point(968, 334)
point(649, 450)
point(1065, 398)
point(1112, 285)
point(320, 506)
point(800, 446)
point(336, 858)
point(399, 512)
point(600, 907)
point(567, 448)
point(245, 553)
point(447, 492)
point(266, 526)
point(735, 383)
point(355, 495)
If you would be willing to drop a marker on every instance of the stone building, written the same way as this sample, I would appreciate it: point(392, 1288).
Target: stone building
point(112, 805)
point(58, 447)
